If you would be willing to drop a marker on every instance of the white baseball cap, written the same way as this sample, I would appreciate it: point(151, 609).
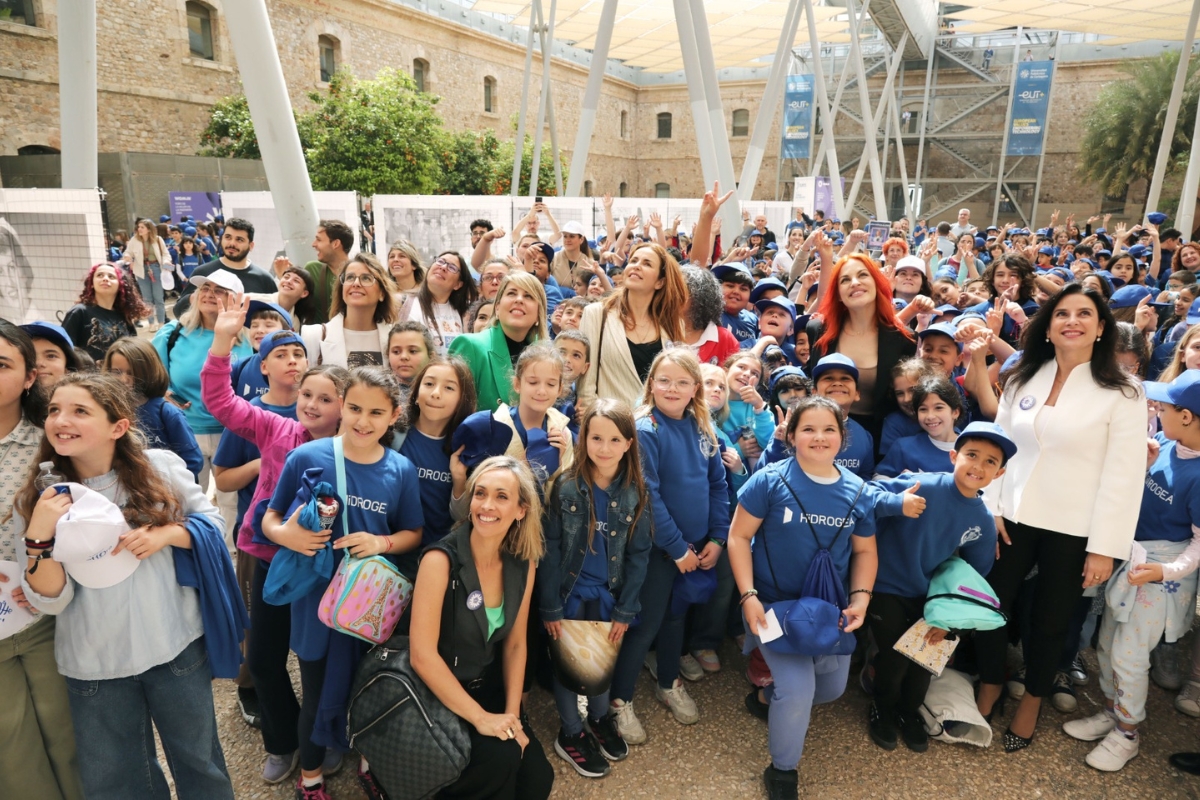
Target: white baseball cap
point(85, 536)
point(572, 226)
point(223, 278)
point(908, 262)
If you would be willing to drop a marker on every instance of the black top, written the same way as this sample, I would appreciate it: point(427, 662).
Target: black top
point(94, 328)
point(254, 279)
point(515, 349)
point(643, 356)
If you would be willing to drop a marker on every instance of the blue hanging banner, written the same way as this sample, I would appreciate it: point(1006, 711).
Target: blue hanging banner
point(797, 117)
point(1030, 108)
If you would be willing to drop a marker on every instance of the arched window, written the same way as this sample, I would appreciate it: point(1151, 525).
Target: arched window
point(623, 189)
point(37, 150)
point(489, 95)
point(420, 73)
point(662, 190)
point(664, 125)
point(741, 122)
point(624, 124)
point(200, 38)
point(327, 47)
point(587, 188)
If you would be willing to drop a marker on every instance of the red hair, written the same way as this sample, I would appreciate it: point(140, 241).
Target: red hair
point(833, 311)
point(897, 241)
point(127, 303)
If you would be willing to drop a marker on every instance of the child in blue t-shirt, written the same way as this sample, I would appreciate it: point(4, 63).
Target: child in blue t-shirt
point(746, 420)
point(939, 409)
point(835, 376)
point(910, 550)
point(597, 529)
point(383, 516)
point(905, 376)
point(685, 477)
point(1153, 594)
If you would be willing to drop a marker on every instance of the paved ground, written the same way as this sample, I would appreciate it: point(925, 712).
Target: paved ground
point(723, 756)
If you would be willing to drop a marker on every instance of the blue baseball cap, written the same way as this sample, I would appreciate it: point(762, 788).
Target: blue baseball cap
point(899, 303)
point(980, 241)
point(1105, 252)
point(1184, 391)
point(165, 218)
point(55, 334)
point(947, 309)
point(966, 315)
point(1108, 279)
point(778, 302)
point(1156, 217)
point(1128, 296)
point(993, 433)
point(545, 249)
point(1065, 273)
point(278, 339)
point(764, 286)
point(773, 246)
point(835, 361)
point(263, 305)
point(783, 372)
point(1139, 250)
point(1046, 251)
point(734, 272)
point(945, 329)
point(189, 231)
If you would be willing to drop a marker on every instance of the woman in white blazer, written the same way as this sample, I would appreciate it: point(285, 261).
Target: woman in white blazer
point(147, 256)
point(362, 313)
point(1068, 502)
point(633, 325)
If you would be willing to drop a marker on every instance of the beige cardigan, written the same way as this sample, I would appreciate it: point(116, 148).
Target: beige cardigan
point(614, 376)
point(136, 252)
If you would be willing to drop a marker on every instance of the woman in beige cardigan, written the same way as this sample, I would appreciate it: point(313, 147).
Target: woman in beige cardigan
point(633, 325)
point(147, 255)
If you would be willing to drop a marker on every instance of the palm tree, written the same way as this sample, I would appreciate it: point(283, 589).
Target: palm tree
point(1124, 126)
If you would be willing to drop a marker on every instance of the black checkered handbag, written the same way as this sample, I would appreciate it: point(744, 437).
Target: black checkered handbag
point(414, 744)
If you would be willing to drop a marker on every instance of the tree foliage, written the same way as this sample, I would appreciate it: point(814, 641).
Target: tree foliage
point(1124, 126)
point(382, 136)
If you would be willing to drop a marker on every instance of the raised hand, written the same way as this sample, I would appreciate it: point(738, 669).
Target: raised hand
point(712, 201)
point(914, 504)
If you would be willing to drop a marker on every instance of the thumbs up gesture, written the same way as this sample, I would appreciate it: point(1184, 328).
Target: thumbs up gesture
point(914, 504)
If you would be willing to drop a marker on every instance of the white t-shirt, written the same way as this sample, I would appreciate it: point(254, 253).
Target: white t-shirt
point(362, 349)
point(445, 325)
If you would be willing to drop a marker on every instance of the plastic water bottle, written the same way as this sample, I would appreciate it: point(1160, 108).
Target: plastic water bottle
point(48, 476)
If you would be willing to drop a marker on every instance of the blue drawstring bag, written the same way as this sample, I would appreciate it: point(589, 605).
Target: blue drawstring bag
point(293, 575)
point(812, 624)
point(692, 588)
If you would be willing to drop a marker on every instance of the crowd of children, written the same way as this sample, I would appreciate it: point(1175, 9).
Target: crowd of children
point(823, 461)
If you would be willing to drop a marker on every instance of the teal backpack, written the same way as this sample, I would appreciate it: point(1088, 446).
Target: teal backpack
point(960, 599)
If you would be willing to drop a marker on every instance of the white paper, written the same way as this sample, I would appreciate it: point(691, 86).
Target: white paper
point(787, 515)
point(12, 617)
point(772, 630)
point(1137, 555)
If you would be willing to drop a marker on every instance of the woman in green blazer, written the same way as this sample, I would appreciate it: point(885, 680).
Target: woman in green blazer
point(519, 320)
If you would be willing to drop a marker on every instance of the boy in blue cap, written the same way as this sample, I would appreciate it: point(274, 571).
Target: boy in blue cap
point(736, 285)
point(776, 319)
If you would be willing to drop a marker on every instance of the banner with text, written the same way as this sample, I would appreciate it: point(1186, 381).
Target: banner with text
point(1030, 108)
point(797, 117)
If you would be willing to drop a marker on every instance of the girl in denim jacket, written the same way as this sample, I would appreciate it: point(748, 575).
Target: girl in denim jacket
point(597, 529)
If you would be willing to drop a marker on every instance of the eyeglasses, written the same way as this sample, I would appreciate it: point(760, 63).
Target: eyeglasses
point(492, 278)
point(446, 265)
point(361, 280)
point(666, 384)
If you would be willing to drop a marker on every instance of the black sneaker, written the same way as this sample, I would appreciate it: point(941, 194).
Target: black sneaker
point(756, 706)
point(608, 738)
point(882, 728)
point(781, 784)
point(248, 705)
point(912, 731)
point(1078, 671)
point(581, 753)
point(370, 786)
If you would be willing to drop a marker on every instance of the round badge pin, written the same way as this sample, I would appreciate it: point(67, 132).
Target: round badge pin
point(474, 600)
point(1027, 402)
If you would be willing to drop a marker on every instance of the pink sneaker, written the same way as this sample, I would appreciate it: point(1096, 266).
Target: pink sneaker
point(311, 792)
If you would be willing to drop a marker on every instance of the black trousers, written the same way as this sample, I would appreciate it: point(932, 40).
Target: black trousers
point(267, 656)
point(1056, 592)
point(900, 684)
point(498, 770)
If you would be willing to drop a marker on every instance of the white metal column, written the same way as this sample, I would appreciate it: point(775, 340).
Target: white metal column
point(696, 99)
point(1168, 133)
point(901, 162)
point(822, 96)
point(917, 177)
point(1008, 115)
point(730, 212)
point(864, 99)
point(1037, 184)
point(773, 99)
point(591, 97)
point(547, 38)
point(544, 100)
point(875, 120)
point(519, 155)
point(827, 138)
point(1185, 220)
point(271, 111)
point(77, 103)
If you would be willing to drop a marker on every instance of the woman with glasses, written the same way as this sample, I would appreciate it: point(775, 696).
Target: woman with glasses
point(633, 325)
point(490, 276)
point(182, 346)
point(442, 302)
point(364, 310)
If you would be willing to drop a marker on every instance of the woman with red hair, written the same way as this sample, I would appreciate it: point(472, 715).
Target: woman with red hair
point(857, 319)
point(894, 249)
point(108, 309)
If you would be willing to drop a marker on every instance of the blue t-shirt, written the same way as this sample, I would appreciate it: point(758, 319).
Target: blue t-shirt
point(382, 498)
point(248, 379)
point(1170, 478)
point(897, 424)
point(911, 549)
point(595, 560)
point(743, 325)
point(234, 451)
point(917, 453)
point(858, 451)
point(433, 472)
point(785, 527)
point(686, 479)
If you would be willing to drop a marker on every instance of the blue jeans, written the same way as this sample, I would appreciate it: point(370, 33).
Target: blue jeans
point(152, 291)
point(801, 682)
point(115, 738)
point(656, 622)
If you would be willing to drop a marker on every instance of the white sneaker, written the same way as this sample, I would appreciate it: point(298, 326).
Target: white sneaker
point(628, 725)
point(690, 668)
point(682, 706)
point(1090, 729)
point(1188, 700)
point(1113, 753)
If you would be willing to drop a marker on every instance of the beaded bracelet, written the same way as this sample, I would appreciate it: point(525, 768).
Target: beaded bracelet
point(867, 592)
point(747, 595)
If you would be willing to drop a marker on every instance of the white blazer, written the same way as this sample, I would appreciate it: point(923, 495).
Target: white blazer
point(612, 373)
point(326, 344)
point(1083, 476)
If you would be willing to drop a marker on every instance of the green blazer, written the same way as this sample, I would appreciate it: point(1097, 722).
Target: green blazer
point(486, 354)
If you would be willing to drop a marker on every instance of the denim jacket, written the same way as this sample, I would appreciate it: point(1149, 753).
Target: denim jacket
point(565, 527)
